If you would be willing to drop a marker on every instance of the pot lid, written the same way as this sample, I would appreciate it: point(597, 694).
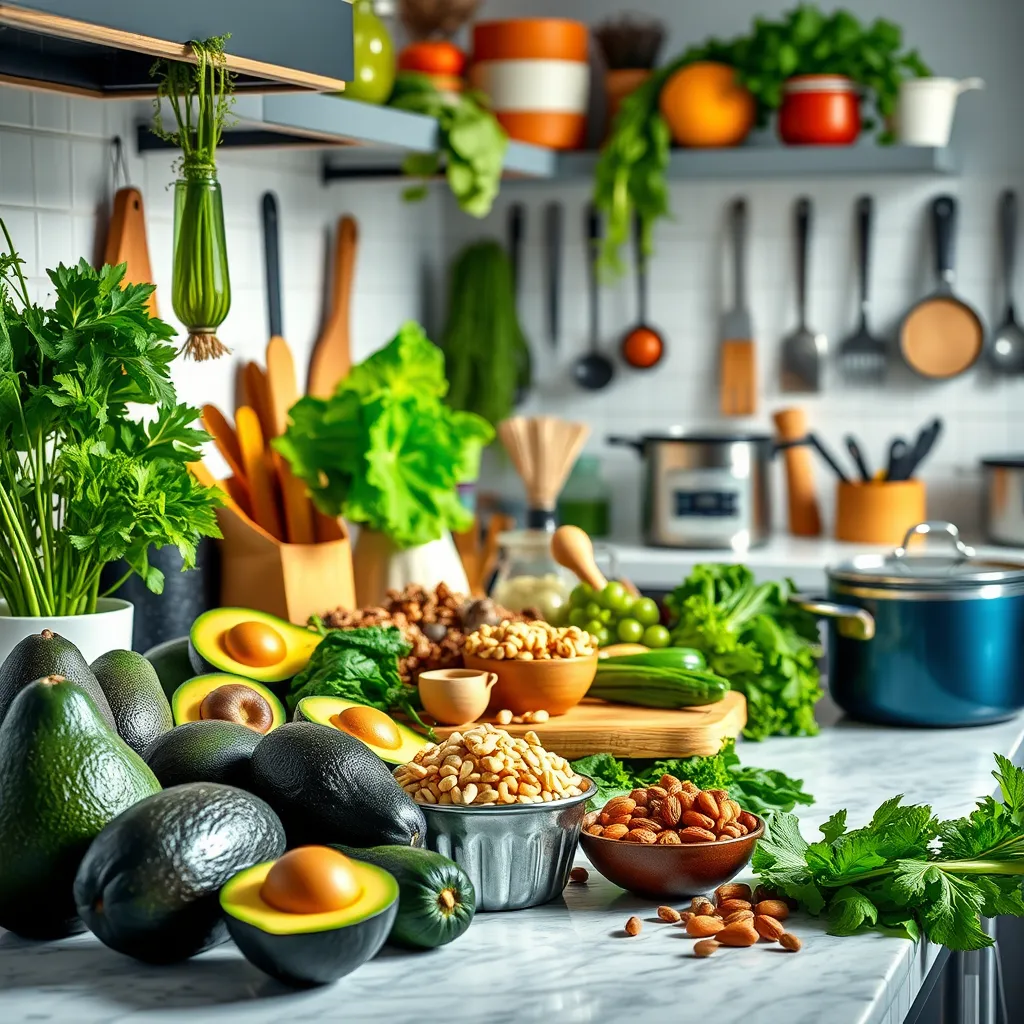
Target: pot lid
point(953, 565)
point(697, 437)
point(1004, 461)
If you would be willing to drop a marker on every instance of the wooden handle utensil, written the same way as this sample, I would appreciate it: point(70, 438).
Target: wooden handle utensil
point(804, 514)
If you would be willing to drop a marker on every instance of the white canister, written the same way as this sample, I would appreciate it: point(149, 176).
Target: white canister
point(924, 112)
point(109, 628)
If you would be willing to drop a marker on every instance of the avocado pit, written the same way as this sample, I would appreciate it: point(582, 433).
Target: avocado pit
point(311, 880)
point(256, 644)
point(239, 703)
point(369, 725)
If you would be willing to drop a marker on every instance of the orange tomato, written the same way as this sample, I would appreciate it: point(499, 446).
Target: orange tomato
point(433, 57)
point(704, 105)
point(642, 348)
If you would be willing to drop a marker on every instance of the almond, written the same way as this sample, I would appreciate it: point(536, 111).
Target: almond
point(668, 838)
point(670, 784)
point(669, 914)
point(690, 787)
point(702, 905)
point(772, 908)
point(740, 827)
point(747, 819)
point(639, 797)
point(591, 818)
point(740, 915)
point(619, 805)
point(700, 927)
point(685, 917)
point(640, 835)
point(595, 830)
point(656, 791)
point(705, 947)
point(579, 875)
point(696, 835)
point(671, 811)
point(640, 822)
point(615, 831)
point(742, 933)
point(769, 928)
point(733, 891)
point(790, 942)
point(695, 819)
point(734, 809)
point(732, 831)
point(707, 804)
point(686, 800)
point(633, 926)
point(720, 795)
point(619, 819)
point(727, 907)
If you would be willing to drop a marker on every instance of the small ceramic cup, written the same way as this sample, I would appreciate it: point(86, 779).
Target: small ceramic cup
point(455, 696)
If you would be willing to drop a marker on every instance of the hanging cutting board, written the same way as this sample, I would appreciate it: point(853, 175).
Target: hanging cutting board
point(126, 241)
point(332, 355)
point(595, 727)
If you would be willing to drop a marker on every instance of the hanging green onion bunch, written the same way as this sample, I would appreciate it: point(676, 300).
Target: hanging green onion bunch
point(201, 96)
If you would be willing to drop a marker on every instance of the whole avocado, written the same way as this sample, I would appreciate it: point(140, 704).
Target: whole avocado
point(328, 787)
point(136, 698)
point(148, 886)
point(64, 774)
point(205, 751)
point(49, 654)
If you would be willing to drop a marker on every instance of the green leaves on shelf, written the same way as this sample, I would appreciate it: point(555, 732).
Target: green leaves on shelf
point(83, 480)
point(471, 143)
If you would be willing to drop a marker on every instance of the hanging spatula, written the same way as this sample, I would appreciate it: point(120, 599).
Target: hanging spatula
point(739, 364)
point(332, 356)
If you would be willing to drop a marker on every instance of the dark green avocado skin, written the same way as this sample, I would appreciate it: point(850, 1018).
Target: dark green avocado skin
point(172, 664)
point(136, 698)
point(328, 787)
point(64, 774)
point(208, 751)
point(313, 958)
point(148, 886)
point(49, 654)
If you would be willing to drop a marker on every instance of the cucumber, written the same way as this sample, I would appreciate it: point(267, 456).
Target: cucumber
point(656, 687)
point(436, 900)
point(664, 657)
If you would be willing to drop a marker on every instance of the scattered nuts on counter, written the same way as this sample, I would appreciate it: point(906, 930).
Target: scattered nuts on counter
point(740, 915)
point(669, 914)
point(770, 929)
point(742, 933)
point(668, 815)
point(703, 926)
point(529, 641)
point(633, 926)
point(505, 717)
point(790, 943)
point(486, 765)
point(579, 875)
point(778, 909)
point(705, 947)
point(733, 891)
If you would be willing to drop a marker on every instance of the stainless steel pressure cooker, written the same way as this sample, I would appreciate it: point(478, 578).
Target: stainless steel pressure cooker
point(705, 490)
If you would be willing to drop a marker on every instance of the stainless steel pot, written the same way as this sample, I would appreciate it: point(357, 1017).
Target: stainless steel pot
point(1004, 499)
point(705, 490)
point(932, 639)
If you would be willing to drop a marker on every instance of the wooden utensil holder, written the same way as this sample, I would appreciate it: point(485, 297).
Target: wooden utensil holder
point(879, 511)
point(291, 581)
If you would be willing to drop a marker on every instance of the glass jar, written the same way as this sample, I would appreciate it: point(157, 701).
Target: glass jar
point(200, 284)
point(374, 56)
point(585, 501)
point(528, 577)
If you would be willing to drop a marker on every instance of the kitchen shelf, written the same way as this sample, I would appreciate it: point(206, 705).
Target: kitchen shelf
point(373, 140)
point(106, 47)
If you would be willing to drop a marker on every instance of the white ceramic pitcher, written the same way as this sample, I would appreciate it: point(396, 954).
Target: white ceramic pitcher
point(924, 112)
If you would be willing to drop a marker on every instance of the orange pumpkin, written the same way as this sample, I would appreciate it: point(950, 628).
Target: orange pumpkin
point(705, 105)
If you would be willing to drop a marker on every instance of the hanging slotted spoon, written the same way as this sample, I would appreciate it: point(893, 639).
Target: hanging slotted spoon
point(863, 356)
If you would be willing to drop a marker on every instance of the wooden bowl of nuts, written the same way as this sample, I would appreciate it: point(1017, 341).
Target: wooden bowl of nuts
point(539, 667)
point(671, 840)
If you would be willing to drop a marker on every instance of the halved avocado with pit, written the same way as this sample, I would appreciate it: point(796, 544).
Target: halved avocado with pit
point(312, 916)
point(227, 698)
point(389, 740)
point(249, 643)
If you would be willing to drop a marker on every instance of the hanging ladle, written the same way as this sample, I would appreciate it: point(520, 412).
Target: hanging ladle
point(642, 346)
point(593, 371)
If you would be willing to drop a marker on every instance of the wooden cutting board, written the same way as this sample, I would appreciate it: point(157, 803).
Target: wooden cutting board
point(595, 727)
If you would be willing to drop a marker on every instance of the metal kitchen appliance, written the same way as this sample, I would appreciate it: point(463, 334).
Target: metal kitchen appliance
point(1004, 499)
point(705, 490)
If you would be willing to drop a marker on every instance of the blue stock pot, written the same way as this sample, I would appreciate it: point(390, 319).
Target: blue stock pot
point(926, 637)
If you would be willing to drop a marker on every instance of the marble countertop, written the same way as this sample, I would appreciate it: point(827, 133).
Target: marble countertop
point(569, 961)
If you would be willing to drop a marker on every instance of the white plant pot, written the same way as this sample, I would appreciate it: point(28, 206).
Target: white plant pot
point(108, 629)
point(925, 109)
point(379, 566)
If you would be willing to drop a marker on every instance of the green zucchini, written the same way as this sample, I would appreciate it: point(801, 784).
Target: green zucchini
point(656, 687)
point(436, 900)
point(664, 657)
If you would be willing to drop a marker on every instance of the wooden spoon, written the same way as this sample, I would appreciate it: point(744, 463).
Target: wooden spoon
point(332, 356)
point(250, 440)
point(573, 549)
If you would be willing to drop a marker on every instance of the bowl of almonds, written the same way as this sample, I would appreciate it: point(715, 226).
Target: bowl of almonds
point(506, 810)
point(539, 666)
point(672, 839)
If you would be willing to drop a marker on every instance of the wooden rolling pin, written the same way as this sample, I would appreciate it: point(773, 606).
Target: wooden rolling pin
point(804, 515)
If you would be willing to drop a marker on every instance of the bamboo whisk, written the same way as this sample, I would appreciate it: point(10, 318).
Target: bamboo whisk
point(543, 449)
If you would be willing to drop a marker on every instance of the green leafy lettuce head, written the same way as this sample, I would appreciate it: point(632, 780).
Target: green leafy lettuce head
point(384, 450)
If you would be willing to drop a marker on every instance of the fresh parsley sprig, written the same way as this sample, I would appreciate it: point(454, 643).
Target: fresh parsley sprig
point(905, 869)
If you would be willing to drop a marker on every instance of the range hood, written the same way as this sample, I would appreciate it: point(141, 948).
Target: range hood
point(106, 47)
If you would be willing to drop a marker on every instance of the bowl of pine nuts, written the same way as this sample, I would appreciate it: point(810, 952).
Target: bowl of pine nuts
point(538, 665)
point(670, 840)
point(506, 810)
